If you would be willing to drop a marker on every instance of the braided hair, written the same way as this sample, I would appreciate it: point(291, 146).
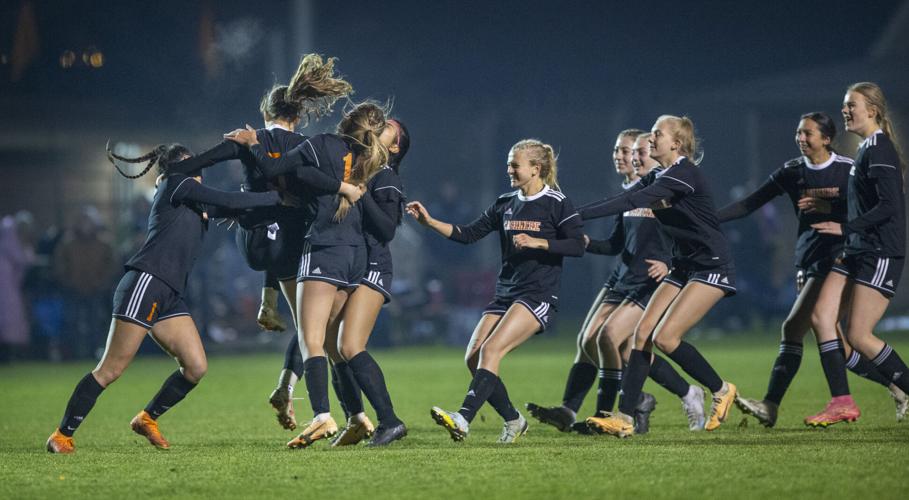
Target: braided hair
point(162, 156)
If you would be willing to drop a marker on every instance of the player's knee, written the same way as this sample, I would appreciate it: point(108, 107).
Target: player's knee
point(350, 349)
point(793, 330)
point(666, 341)
point(194, 370)
point(107, 375)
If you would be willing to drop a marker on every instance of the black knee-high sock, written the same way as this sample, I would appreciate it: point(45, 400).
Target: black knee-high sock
point(580, 380)
point(174, 389)
point(890, 364)
point(633, 380)
point(686, 356)
point(664, 374)
point(271, 281)
point(482, 385)
point(500, 401)
point(834, 363)
point(293, 358)
point(80, 403)
point(784, 369)
point(315, 371)
point(860, 366)
point(372, 382)
point(339, 392)
point(610, 381)
point(350, 389)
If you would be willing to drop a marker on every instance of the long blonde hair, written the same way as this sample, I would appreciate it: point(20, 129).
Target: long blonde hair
point(543, 156)
point(683, 131)
point(874, 98)
point(311, 93)
point(361, 127)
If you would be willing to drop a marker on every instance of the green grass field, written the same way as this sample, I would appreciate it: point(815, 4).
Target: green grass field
point(226, 443)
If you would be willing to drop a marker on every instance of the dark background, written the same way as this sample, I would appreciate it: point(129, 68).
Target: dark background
point(469, 79)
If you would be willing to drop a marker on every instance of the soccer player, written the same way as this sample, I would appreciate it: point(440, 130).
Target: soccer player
point(816, 184)
point(149, 298)
point(866, 275)
point(537, 227)
point(636, 236)
point(702, 272)
point(353, 367)
point(334, 254)
point(272, 240)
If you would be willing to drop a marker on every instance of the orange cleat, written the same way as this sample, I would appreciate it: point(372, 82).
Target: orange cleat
point(144, 425)
point(60, 443)
point(316, 430)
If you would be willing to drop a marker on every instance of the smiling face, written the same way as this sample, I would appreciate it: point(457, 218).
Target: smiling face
point(859, 117)
point(810, 140)
point(520, 171)
point(640, 156)
point(663, 146)
point(621, 155)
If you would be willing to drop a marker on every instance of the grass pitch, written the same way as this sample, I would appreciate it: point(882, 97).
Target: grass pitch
point(226, 443)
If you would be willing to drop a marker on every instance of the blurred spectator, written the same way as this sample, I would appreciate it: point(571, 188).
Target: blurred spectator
point(46, 299)
point(15, 257)
point(85, 266)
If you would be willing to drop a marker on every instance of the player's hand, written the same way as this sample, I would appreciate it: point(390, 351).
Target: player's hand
point(657, 269)
point(586, 241)
point(524, 241)
point(812, 205)
point(418, 212)
point(245, 137)
point(351, 191)
point(289, 200)
point(834, 228)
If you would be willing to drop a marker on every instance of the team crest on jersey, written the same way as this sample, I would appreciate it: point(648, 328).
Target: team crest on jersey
point(522, 225)
point(827, 192)
point(639, 212)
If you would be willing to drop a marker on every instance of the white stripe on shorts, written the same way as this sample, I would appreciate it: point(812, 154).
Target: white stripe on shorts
point(138, 294)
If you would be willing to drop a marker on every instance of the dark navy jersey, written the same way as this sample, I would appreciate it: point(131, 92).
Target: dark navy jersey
point(531, 273)
point(275, 141)
point(383, 206)
point(176, 225)
point(799, 178)
point(332, 155)
point(636, 237)
point(877, 208)
point(681, 201)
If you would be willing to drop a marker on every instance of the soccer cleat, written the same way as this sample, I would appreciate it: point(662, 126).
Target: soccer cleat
point(557, 416)
point(269, 320)
point(386, 435)
point(642, 412)
point(454, 423)
point(144, 425)
point(281, 400)
point(316, 430)
point(901, 400)
point(355, 431)
point(60, 443)
point(693, 405)
point(618, 424)
point(719, 410)
point(582, 428)
point(513, 429)
point(839, 409)
point(764, 411)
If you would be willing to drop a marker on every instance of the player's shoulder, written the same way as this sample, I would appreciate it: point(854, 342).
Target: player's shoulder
point(794, 164)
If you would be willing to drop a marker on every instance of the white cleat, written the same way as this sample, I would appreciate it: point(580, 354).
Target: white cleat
point(513, 429)
point(764, 411)
point(901, 400)
point(693, 405)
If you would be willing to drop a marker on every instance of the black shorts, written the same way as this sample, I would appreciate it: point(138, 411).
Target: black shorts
point(638, 293)
point(880, 273)
point(143, 299)
point(275, 247)
point(340, 265)
point(722, 277)
point(543, 311)
point(613, 296)
point(378, 277)
point(818, 270)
